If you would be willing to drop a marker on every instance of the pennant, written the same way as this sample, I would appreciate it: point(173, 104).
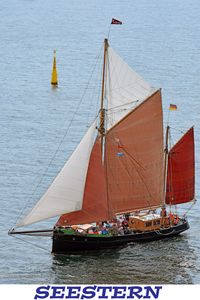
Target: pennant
point(173, 107)
point(116, 22)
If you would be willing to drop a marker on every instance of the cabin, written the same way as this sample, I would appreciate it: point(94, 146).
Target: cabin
point(145, 222)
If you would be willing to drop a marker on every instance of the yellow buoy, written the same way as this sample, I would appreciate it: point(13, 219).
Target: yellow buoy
point(54, 77)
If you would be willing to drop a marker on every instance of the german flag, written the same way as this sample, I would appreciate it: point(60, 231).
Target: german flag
point(172, 107)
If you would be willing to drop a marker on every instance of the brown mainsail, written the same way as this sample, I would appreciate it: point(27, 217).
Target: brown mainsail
point(134, 158)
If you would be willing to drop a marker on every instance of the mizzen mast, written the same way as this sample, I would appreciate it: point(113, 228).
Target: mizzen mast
point(166, 163)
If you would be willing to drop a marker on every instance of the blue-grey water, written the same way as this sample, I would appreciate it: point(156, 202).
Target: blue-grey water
point(40, 126)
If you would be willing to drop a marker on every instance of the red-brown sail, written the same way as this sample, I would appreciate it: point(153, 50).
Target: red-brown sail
point(95, 197)
point(134, 158)
point(181, 174)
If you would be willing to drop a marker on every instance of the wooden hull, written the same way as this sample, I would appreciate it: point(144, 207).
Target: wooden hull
point(65, 244)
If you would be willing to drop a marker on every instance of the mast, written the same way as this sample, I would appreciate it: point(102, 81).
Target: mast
point(102, 117)
point(102, 109)
point(166, 163)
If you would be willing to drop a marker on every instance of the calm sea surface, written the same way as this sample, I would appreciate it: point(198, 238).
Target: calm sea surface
point(40, 126)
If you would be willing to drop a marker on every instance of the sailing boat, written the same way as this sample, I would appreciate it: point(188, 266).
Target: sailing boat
point(120, 169)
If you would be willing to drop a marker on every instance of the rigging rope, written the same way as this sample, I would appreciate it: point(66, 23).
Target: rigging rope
point(138, 168)
point(195, 200)
point(95, 92)
point(39, 247)
point(120, 106)
point(136, 164)
point(62, 139)
point(178, 130)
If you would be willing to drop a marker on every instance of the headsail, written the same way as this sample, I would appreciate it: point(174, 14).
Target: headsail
point(125, 89)
point(134, 158)
point(66, 192)
point(181, 173)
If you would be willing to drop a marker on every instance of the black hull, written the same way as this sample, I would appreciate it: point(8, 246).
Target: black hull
point(65, 244)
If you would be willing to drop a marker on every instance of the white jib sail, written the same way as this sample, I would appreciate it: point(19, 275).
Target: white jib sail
point(66, 192)
point(125, 89)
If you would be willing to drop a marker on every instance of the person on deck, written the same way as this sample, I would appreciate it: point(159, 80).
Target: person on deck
point(125, 226)
point(163, 212)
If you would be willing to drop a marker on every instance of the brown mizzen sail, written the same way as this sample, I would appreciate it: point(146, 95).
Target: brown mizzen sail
point(181, 172)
